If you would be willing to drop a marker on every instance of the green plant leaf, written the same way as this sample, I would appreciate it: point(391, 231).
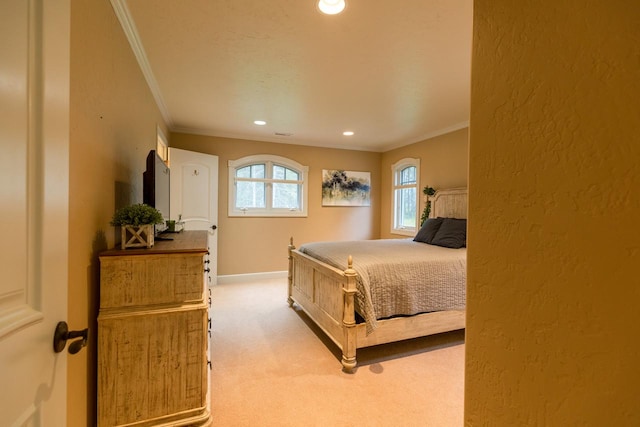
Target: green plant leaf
point(136, 215)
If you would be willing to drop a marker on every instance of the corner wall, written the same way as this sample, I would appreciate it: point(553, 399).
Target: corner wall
point(553, 240)
point(255, 245)
point(443, 164)
point(113, 119)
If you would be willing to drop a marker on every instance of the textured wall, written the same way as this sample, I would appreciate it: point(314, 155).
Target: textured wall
point(553, 243)
point(113, 119)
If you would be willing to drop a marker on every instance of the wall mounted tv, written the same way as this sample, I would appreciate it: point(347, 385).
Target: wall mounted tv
point(155, 186)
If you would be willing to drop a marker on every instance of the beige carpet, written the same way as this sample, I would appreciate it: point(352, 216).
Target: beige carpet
point(273, 367)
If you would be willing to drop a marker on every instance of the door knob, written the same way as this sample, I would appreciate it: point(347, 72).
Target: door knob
point(62, 334)
point(214, 227)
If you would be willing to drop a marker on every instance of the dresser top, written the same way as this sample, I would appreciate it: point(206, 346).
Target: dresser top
point(195, 241)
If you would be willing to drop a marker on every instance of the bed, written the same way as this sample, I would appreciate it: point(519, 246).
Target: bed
point(338, 294)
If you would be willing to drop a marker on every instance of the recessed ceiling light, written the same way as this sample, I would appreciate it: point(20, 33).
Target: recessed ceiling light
point(347, 133)
point(331, 7)
point(260, 122)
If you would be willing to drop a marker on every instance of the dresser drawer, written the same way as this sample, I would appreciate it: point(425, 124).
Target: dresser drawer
point(153, 367)
point(127, 281)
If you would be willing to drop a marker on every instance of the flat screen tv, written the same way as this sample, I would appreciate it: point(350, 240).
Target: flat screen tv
point(155, 187)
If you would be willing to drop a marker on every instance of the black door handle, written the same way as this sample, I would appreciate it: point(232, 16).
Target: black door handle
point(62, 334)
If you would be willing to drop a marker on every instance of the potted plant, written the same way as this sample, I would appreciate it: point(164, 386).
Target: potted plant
point(427, 191)
point(137, 225)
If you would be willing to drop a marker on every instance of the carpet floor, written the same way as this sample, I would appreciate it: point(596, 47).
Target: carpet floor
point(271, 366)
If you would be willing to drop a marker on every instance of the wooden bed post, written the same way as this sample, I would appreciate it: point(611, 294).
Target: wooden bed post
point(349, 320)
point(290, 273)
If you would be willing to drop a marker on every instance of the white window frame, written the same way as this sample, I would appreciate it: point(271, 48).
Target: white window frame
point(268, 160)
point(396, 169)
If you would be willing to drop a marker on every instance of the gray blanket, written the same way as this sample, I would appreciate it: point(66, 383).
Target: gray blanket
point(398, 276)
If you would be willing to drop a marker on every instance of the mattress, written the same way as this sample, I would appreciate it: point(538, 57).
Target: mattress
point(398, 276)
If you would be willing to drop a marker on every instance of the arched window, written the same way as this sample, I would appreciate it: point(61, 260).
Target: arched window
point(266, 185)
point(406, 177)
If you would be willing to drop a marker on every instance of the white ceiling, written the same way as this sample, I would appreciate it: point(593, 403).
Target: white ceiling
point(393, 72)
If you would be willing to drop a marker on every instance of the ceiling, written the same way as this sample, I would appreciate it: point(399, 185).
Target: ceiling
point(392, 72)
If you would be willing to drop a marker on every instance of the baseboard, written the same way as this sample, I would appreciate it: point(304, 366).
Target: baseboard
point(251, 277)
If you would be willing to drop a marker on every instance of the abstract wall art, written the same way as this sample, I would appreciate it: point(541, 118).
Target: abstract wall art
point(346, 188)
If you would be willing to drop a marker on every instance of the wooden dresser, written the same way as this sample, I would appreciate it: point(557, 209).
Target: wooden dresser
point(153, 335)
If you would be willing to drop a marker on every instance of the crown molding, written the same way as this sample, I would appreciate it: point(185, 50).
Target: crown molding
point(276, 140)
point(129, 27)
point(429, 135)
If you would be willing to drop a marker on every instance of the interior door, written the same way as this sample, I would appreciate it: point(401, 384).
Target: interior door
point(34, 176)
point(194, 197)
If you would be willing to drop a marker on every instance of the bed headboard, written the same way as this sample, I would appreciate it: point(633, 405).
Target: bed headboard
point(451, 203)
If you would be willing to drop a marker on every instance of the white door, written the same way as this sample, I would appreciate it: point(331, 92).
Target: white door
point(194, 197)
point(34, 176)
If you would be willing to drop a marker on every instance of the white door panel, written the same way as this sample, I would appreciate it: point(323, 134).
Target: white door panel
point(34, 172)
point(195, 180)
point(194, 196)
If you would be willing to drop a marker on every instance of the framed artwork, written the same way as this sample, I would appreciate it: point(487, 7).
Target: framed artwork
point(346, 188)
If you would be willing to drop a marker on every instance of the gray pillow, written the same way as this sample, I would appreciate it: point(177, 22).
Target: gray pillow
point(428, 230)
point(451, 234)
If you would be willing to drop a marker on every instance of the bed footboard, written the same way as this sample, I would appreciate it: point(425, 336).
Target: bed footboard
point(327, 295)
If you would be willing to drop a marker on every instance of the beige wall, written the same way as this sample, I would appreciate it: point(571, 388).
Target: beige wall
point(443, 164)
point(253, 245)
point(553, 243)
point(113, 120)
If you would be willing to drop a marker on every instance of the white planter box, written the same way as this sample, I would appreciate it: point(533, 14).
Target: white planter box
point(137, 237)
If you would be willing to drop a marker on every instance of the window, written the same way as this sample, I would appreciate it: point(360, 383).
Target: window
point(265, 185)
point(406, 176)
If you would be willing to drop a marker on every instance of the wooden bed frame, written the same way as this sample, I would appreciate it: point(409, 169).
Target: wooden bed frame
point(327, 296)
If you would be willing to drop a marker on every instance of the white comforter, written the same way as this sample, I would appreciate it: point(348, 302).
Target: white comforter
point(398, 276)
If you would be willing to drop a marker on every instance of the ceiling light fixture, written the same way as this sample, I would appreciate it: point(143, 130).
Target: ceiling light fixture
point(347, 133)
point(260, 122)
point(331, 7)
